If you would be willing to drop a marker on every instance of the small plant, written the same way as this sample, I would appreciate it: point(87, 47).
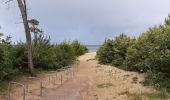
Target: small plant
point(3, 86)
point(125, 77)
point(90, 59)
point(104, 85)
point(134, 80)
point(98, 66)
point(96, 96)
point(124, 93)
point(162, 95)
point(79, 48)
point(133, 96)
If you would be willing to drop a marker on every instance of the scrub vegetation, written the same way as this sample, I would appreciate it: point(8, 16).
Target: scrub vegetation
point(149, 53)
point(46, 56)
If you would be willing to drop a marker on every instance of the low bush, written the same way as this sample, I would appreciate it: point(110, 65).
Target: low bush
point(46, 56)
point(114, 51)
point(79, 49)
point(63, 55)
point(6, 59)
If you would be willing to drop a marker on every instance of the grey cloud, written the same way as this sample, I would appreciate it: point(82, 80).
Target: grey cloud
point(91, 21)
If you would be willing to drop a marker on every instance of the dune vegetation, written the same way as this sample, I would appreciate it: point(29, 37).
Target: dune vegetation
point(46, 56)
point(149, 53)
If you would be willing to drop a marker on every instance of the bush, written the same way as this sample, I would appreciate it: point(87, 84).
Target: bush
point(19, 55)
point(79, 49)
point(150, 52)
point(46, 56)
point(105, 52)
point(63, 55)
point(6, 64)
point(42, 52)
point(49, 56)
point(114, 51)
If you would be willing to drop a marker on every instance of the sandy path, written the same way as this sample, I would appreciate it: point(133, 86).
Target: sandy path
point(71, 90)
point(94, 82)
point(110, 83)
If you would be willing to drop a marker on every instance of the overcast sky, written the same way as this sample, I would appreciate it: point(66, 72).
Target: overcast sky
point(89, 21)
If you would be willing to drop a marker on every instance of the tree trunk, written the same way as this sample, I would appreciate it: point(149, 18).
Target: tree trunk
point(23, 10)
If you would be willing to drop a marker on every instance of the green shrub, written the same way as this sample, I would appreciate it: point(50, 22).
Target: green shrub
point(6, 64)
point(150, 52)
point(19, 55)
point(79, 49)
point(46, 56)
point(42, 52)
point(63, 55)
point(114, 51)
point(105, 52)
point(51, 57)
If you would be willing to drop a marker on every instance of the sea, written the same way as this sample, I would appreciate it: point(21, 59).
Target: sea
point(93, 48)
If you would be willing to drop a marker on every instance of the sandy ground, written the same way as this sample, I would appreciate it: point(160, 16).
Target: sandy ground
point(122, 85)
point(92, 81)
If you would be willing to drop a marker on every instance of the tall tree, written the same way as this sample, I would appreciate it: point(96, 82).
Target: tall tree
point(23, 9)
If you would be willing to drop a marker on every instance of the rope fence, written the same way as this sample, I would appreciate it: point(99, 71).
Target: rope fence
point(53, 79)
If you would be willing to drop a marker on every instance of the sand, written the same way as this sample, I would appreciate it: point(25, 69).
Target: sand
point(122, 83)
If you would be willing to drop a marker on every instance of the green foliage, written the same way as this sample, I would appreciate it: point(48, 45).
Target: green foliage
point(46, 56)
point(79, 48)
point(33, 26)
point(63, 55)
point(150, 53)
point(114, 51)
point(51, 57)
point(6, 59)
point(42, 52)
point(19, 55)
point(162, 95)
point(105, 52)
point(3, 86)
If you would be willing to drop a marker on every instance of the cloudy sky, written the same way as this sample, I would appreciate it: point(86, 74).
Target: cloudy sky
point(89, 21)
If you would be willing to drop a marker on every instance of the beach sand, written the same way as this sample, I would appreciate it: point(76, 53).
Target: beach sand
point(110, 83)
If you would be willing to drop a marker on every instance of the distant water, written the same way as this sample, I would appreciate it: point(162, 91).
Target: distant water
point(93, 48)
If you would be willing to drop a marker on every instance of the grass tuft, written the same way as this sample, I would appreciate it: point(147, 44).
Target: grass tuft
point(104, 85)
point(3, 86)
